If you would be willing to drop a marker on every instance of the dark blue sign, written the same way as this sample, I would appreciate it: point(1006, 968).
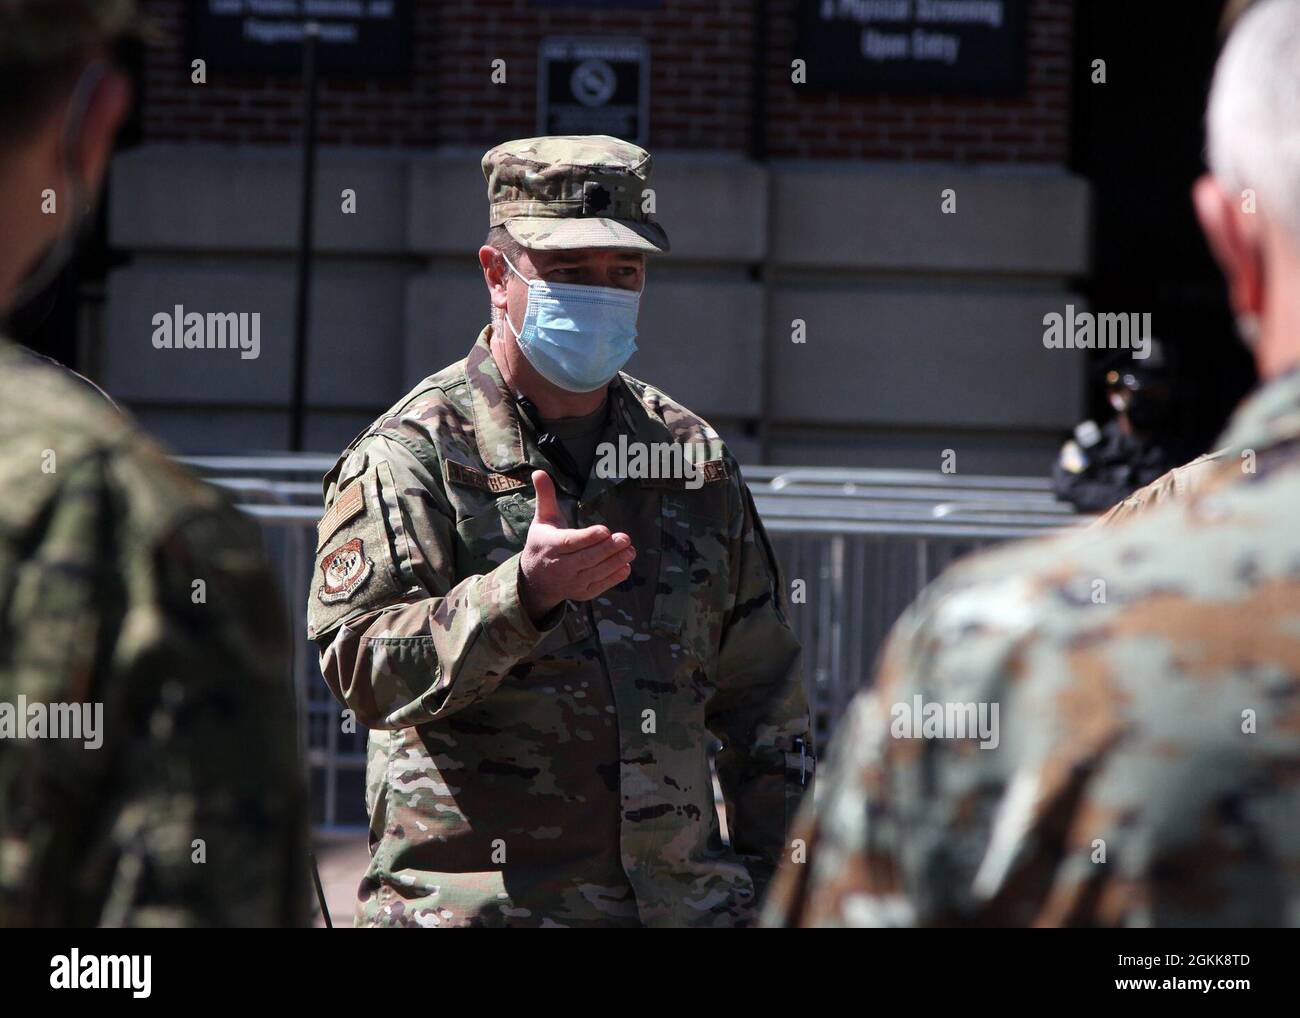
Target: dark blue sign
point(968, 47)
point(370, 38)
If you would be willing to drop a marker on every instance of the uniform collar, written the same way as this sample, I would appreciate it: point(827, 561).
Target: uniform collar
point(497, 427)
point(506, 442)
point(1269, 417)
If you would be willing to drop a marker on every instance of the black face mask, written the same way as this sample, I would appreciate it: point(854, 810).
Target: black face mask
point(34, 296)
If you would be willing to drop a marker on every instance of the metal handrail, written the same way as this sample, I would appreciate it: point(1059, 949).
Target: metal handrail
point(933, 493)
point(270, 463)
point(321, 463)
point(782, 476)
point(901, 509)
point(994, 529)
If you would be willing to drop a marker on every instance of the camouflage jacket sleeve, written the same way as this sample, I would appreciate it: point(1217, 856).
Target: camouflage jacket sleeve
point(146, 596)
point(401, 643)
point(759, 711)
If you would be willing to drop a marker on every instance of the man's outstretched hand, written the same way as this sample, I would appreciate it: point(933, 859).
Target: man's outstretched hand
point(560, 564)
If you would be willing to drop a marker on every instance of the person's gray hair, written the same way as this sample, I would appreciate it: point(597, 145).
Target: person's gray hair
point(499, 238)
point(1253, 115)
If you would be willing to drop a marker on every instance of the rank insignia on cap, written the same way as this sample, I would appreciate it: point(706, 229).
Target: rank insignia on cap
point(595, 198)
point(346, 570)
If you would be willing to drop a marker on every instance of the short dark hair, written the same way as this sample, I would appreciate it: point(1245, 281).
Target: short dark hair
point(45, 46)
point(499, 238)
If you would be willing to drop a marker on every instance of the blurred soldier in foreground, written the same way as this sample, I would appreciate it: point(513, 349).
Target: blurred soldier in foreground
point(148, 770)
point(543, 585)
point(1143, 681)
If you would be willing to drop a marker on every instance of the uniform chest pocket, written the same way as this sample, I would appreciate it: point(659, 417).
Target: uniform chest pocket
point(496, 533)
point(691, 588)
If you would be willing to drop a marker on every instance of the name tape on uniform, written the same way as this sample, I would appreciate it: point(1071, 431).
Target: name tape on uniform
point(458, 473)
point(715, 470)
point(710, 470)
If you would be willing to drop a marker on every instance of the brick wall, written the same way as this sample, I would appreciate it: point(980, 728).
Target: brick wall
point(701, 73)
point(1034, 129)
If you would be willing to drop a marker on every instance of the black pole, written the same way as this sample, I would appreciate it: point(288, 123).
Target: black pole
point(758, 82)
point(761, 272)
point(320, 891)
point(311, 32)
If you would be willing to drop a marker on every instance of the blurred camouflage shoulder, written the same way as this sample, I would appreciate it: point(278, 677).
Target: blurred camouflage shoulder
point(1179, 482)
point(104, 540)
point(1145, 682)
point(51, 423)
point(125, 505)
point(1223, 534)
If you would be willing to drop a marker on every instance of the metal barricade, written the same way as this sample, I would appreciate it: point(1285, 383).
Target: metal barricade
point(855, 548)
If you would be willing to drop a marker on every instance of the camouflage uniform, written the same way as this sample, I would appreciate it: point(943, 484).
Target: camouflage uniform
point(1177, 483)
point(102, 538)
point(1148, 766)
point(557, 774)
point(578, 749)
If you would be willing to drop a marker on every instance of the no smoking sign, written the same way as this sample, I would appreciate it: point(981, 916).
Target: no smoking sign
point(594, 86)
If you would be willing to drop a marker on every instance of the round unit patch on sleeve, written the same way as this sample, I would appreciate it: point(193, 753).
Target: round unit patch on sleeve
point(346, 570)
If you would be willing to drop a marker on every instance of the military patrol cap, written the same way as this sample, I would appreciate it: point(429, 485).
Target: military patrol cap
point(46, 31)
point(569, 191)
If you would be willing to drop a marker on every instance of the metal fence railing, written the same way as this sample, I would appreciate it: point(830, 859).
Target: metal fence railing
point(864, 543)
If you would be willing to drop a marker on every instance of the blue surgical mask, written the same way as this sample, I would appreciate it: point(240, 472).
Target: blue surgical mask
point(576, 336)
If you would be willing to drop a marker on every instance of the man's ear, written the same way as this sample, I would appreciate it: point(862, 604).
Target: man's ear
point(1235, 241)
point(495, 274)
point(106, 108)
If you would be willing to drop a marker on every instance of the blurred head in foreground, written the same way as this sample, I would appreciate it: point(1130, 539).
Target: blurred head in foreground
point(62, 99)
point(1249, 202)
